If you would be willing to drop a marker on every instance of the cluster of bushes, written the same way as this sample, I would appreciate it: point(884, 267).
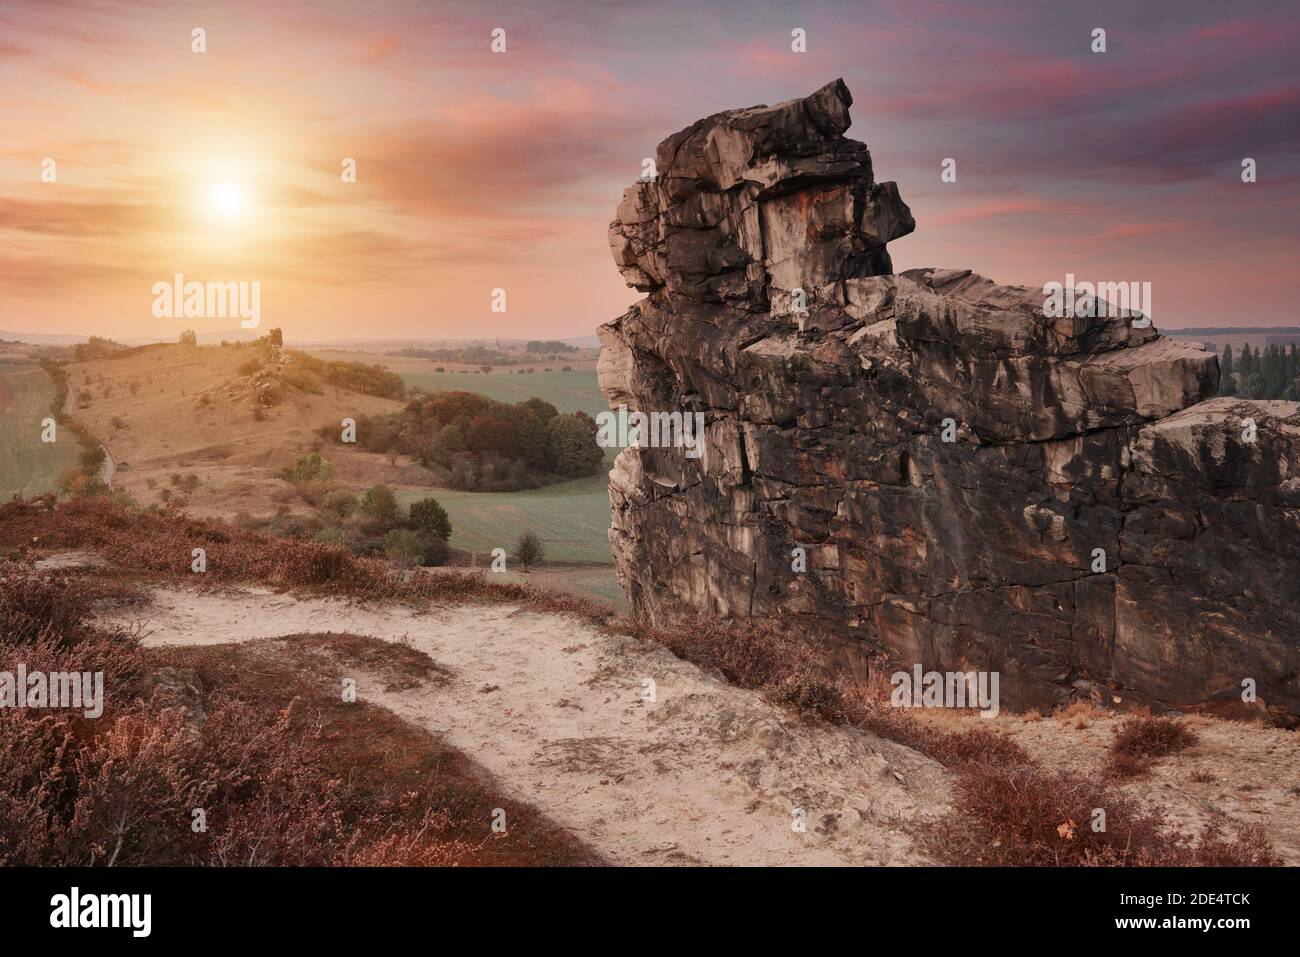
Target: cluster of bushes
point(82, 478)
point(542, 347)
point(372, 524)
point(354, 376)
point(470, 355)
point(1268, 373)
point(96, 348)
point(272, 368)
point(486, 355)
point(475, 443)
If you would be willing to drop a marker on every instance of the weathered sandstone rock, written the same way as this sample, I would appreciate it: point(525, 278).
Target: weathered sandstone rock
point(826, 381)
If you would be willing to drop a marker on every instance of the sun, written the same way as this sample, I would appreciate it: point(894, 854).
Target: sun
point(226, 200)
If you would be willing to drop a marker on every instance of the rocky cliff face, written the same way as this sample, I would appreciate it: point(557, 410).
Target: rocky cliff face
point(924, 461)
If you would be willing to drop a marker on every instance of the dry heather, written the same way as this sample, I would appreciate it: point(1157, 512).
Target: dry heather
point(286, 774)
point(1141, 739)
point(1008, 809)
point(152, 543)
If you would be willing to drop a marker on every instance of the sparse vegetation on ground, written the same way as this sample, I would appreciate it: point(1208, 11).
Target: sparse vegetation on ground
point(257, 739)
point(1142, 739)
point(157, 544)
point(1008, 810)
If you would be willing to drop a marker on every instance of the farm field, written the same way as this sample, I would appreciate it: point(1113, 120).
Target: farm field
point(568, 391)
point(571, 519)
point(29, 466)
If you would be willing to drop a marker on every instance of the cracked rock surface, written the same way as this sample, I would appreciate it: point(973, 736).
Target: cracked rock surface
point(825, 381)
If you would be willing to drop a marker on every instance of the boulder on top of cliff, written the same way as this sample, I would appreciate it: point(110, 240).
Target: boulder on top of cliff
point(695, 229)
point(930, 462)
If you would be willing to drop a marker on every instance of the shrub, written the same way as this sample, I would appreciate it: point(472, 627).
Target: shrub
point(1152, 737)
point(339, 503)
point(333, 535)
point(428, 516)
point(1140, 740)
point(380, 507)
point(436, 550)
point(314, 492)
point(301, 379)
point(75, 482)
point(312, 468)
point(403, 546)
point(90, 459)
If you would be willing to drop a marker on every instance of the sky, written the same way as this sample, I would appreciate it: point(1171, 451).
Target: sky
point(478, 170)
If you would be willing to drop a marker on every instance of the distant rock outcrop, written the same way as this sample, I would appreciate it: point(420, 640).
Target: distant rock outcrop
point(1093, 527)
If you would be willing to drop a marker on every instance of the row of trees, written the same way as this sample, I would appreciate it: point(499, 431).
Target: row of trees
point(475, 443)
point(1271, 372)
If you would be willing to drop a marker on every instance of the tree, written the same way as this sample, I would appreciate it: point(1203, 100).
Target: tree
point(188, 338)
point(539, 407)
point(1227, 383)
point(1247, 364)
point(529, 550)
point(380, 506)
point(571, 445)
point(428, 516)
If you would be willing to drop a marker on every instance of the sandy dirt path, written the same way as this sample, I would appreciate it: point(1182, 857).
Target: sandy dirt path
point(555, 710)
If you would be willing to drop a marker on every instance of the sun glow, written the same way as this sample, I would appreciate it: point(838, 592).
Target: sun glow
point(226, 200)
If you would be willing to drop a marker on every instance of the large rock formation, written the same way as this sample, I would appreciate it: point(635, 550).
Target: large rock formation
point(825, 382)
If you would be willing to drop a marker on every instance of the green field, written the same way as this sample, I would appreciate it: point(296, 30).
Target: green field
point(570, 518)
point(29, 466)
point(567, 391)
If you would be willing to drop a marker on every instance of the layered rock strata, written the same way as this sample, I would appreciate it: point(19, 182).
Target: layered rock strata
point(923, 460)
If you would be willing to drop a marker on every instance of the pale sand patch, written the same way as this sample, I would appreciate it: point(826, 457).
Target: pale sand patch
point(708, 773)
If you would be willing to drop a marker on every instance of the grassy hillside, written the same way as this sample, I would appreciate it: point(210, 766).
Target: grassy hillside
point(29, 466)
point(169, 412)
